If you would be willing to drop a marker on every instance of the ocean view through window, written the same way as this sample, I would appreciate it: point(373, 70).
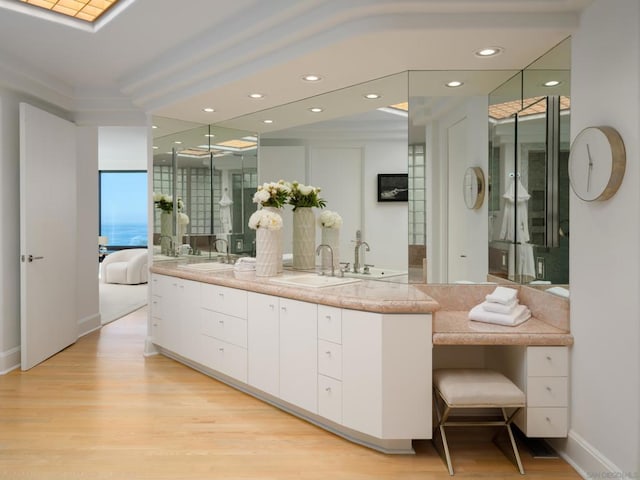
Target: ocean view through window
point(123, 208)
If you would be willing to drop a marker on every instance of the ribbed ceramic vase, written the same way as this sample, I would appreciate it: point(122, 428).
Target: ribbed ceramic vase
point(267, 252)
point(331, 237)
point(166, 232)
point(280, 238)
point(304, 238)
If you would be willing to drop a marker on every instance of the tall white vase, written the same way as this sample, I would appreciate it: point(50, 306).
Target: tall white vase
point(267, 252)
point(166, 232)
point(331, 237)
point(304, 238)
point(280, 241)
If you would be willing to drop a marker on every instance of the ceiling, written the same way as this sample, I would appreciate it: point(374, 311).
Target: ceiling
point(172, 59)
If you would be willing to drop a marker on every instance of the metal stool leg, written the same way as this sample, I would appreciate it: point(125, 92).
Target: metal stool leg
point(442, 418)
point(513, 440)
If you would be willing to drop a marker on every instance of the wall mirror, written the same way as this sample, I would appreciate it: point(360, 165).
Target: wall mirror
point(417, 124)
point(529, 119)
point(212, 171)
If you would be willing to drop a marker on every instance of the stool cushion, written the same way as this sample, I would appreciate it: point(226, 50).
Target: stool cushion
point(477, 387)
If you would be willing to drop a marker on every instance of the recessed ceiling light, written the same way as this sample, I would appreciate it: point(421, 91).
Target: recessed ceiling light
point(256, 95)
point(312, 78)
point(267, 121)
point(489, 51)
point(316, 109)
point(155, 147)
point(552, 83)
point(154, 126)
point(454, 84)
point(372, 96)
point(210, 135)
point(208, 110)
point(178, 142)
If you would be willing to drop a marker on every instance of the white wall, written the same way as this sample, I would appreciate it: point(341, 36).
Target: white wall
point(605, 255)
point(123, 148)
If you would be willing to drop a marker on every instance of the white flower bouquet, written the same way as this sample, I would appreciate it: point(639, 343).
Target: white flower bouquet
point(265, 219)
point(165, 202)
point(330, 219)
point(273, 194)
point(305, 196)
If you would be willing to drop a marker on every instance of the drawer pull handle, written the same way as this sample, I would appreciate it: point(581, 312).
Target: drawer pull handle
point(284, 309)
point(272, 306)
point(221, 349)
point(549, 357)
point(548, 419)
point(328, 317)
point(221, 295)
point(328, 352)
point(548, 389)
point(328, 389)
point(221, 322)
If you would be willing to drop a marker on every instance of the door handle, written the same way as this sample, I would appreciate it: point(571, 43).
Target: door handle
point(30, 258)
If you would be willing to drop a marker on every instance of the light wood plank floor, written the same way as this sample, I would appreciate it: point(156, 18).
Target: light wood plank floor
point(100, 410)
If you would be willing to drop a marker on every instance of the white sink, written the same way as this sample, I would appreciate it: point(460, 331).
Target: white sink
point(313, 280)
point(377, 273)
point(206, 266)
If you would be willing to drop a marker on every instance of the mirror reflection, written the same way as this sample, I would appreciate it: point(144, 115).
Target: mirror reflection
point(417, 124)
point(211, 172)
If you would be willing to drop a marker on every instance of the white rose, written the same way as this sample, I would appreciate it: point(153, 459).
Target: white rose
point(157, 197)
point(306, 189)
point(183, 219)
point(261, 196)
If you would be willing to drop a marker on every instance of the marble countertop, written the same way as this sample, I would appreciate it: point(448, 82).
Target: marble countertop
point(451, 325)
point(365, 295)
point(455, 328)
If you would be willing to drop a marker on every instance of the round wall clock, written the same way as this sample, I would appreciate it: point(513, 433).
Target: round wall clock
point(473, 187)
point(597, 162)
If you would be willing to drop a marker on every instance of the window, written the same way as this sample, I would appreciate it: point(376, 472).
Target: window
point(123, 208)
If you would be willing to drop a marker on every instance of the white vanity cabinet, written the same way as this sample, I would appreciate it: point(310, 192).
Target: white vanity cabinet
point(299, 353)
point(542, 372)
point(386, 374)
point(223, 321)
point(263, 319)
point(175, 313)
point(330, 363)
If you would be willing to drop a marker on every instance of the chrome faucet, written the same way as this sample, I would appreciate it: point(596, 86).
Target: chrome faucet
point(356, 253)
point(171, 252)
point(226, 246)
point(319, 249)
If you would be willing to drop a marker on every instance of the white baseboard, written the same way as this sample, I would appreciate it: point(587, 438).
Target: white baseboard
point(89, 324)
point(588, 461)
point(9, 360)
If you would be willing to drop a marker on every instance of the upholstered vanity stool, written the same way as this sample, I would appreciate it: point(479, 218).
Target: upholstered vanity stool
point(458, 388)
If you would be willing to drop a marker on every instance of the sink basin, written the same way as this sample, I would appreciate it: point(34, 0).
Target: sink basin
point(377, 273)
point(206, 266)
point(313, 280)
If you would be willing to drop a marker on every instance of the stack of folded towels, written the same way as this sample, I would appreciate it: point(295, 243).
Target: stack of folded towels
point(501, 307)
point(245, 264)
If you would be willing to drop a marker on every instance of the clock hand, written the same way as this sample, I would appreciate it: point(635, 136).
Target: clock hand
point(589, 168)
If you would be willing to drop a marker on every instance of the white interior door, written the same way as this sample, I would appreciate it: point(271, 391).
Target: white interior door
point(47, 235)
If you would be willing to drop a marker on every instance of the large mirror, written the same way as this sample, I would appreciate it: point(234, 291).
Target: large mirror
point(203, 181)
point(418, 124)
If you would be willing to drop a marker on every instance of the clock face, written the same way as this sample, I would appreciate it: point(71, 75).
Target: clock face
point(590, 164)
point(473, 187)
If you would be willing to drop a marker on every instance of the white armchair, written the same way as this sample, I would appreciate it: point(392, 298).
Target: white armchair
point(127, 267)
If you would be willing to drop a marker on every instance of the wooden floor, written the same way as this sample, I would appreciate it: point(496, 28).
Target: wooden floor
point(101, 410)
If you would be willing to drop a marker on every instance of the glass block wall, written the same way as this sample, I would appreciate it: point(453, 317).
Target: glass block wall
point(417, 218)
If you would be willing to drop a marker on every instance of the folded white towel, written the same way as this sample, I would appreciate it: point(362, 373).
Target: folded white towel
point(559, 291)
point(503, 295)
point(499, 307)
point(520, 314)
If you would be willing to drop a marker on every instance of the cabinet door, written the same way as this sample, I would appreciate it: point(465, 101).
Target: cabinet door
point(180, 325)
point(263, 342)
point(299, 354)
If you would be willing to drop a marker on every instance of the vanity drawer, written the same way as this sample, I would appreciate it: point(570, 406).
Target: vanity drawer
point(543, 422)
point(225, 357)
point(224, 327)
point(547, 392)
point(230, 301)
point(547, 361)
point(330, 359)
point(330, 323)
point(330, 398)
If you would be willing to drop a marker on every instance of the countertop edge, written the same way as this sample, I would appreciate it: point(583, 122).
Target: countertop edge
point(532, 339)
point(330, 296)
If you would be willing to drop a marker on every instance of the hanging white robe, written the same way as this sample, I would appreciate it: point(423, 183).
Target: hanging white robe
point(225, 212)
point(516, 230)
